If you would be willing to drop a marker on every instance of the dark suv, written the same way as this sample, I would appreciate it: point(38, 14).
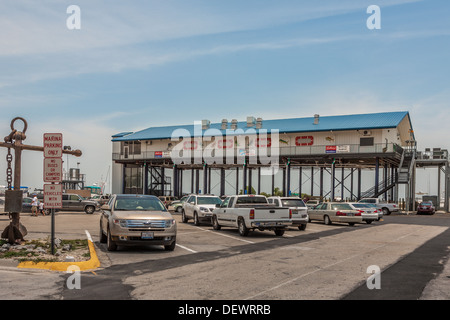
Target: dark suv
point(74, 202)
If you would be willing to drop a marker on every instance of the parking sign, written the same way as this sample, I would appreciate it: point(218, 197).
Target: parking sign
point(53, 145)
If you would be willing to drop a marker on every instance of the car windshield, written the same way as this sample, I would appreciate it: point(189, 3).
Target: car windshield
point(426, 204)
point(139, 204)
point(209, 200)
point(293, 203)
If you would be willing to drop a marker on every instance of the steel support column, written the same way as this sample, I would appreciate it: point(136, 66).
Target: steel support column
point(288, 179)
point(333, 173)
point(377, 174)
point(300, 173)
point(205, 178)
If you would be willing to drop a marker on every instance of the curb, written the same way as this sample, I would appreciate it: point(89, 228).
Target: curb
point(92, 263)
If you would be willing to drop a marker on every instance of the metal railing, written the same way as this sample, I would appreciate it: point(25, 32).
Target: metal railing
point(378, 148)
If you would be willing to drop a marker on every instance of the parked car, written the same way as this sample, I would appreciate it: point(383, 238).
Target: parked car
point(101, 199)
point(312, 203)
point(137, 220)
point(177, 205)
point(199, 207)
point(250, 212)
point(299, 209)
point(26, 204)
point(426, 207)
point(74, 202)
point(167, 200)
point(386, 207)
point(368, 211)
point(342, 212)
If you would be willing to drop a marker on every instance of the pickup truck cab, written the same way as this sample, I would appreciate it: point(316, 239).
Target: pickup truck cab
point(386, 207)
point(299, 209)
point(250, 212)
point(199, 207)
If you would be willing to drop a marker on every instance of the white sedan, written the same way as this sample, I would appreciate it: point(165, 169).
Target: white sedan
point(369, 212)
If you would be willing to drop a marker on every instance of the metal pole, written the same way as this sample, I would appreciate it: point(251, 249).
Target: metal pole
point(333, 172)
point(53, 231)
point(288, 179)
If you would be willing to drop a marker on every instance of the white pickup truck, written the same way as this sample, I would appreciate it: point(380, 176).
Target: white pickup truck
point(386, 207)
point(250, 212)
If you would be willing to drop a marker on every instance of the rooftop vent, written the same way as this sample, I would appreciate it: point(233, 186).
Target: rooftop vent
point(258, 123)
point(224, 124)
point(316, 119)
point(205, 124)
point(234, 124)
point(251, 121)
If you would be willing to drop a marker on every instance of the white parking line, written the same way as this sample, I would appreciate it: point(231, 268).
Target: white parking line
point(185, 248)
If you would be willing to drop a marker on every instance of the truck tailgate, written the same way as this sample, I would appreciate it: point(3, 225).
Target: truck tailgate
point(271, 213)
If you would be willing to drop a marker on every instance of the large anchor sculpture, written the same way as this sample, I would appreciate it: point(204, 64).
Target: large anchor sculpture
point(15, 231)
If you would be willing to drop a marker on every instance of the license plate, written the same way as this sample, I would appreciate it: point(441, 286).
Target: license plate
point(147, 235)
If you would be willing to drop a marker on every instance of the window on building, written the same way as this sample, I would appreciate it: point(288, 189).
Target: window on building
point(366, 142)
point(133, 179)
point(130, 147)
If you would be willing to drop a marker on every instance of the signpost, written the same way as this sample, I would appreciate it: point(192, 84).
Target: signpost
point(53, 149)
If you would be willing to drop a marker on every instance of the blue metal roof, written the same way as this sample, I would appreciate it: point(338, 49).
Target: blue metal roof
point(369, 121)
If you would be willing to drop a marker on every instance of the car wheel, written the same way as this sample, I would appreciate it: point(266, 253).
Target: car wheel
point(327, 220)
point(243, 230)
point(215, 223)
point(351, 224)
point(368, 221)
point(302, 227)
point(279, 232)
point(178, 209)
point(102, 236)
point(89, 209)
point(171, 246)
point(184, 219)
point(196, 221)
point(110, 245)
point(386, 211)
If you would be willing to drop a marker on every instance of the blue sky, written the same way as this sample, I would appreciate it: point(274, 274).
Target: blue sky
point(137, 64)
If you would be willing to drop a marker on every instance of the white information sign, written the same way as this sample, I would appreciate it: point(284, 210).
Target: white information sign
point(53, 145)
point(53, 196)
point(52, 169)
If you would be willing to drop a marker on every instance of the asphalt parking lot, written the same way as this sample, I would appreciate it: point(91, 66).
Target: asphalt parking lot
point(322, 262)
